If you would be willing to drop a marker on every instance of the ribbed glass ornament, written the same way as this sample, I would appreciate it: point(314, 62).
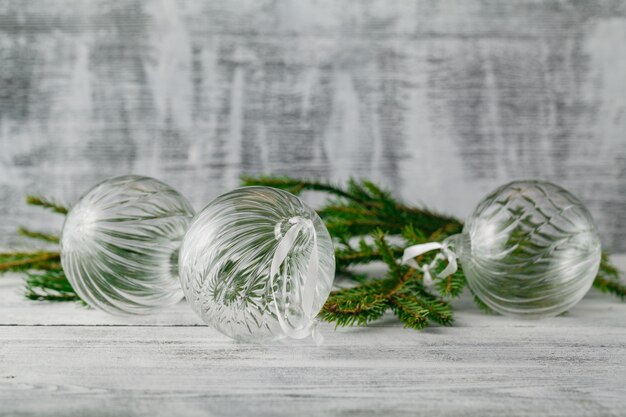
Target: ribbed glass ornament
point(530, 249)
point(226, 260)
point(120, 242)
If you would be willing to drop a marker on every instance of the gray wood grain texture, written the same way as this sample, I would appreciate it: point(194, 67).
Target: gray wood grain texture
point(64, 360)
point(441, 101)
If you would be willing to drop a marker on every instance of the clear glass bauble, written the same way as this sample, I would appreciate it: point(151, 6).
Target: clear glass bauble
point(119, 247)
point(530, 249)
point(228, 252)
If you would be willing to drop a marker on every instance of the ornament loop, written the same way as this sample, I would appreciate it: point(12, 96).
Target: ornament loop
point(410, 253)
point(307, 291)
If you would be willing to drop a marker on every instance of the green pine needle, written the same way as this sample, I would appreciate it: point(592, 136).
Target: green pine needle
point(608, 279)
point(34, 200)
point(26, 261)
point(481, 304)
point(410, 311)
point(295, 186)
point(38, 235)
point(359, 305)
point(51, 285)
point(417, 311)
point(401, 292)
point(453, 285)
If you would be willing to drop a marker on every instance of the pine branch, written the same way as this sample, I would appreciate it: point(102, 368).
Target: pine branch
point(410, 311)
point(416, 310)
point(295, 186)
point(362, 207)
point(401, 292)
point(46, 203)
point(51, 285)
point(44, 277)
point(38, 235)
point(481, 304)
point(611, 287)
point(359, 305)
point(608, 279)
point(439, 310)
point(453, 285)
point(346, 255)
point(24, 261)
point(354, 276)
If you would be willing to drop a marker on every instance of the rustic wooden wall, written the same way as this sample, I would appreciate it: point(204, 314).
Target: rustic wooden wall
point(440, 100)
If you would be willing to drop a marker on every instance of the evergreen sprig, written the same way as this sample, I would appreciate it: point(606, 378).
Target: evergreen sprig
point(46, 203)
point(44, 277)
point(49, 285)
point(608, 279)
point(361, 207)
point(27, 261)
point(400, 291)
point(46, 237)
point(368, 225)
point(362, 210)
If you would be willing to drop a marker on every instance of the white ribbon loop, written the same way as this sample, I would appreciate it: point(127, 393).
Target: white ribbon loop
point(307, 291)
point(410, 253)
point(416, 250)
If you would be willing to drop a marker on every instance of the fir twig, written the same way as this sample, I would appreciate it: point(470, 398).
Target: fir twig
point(608, 279)
point(348, 256)
point(481, 304)
point(296, 186)
point(416, 312)
point(361, 207)
point(400, 292)
point(24, 261)
point(38, 235)
point(34, 200)
point(49, 285)
point(359, 305)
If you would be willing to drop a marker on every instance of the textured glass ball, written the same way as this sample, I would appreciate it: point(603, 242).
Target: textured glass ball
point(119, 247)
point(529, 250)
point(226, 258)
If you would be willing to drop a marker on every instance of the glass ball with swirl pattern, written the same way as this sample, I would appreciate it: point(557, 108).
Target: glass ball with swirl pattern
point(257, 264)
point(530, 249)
point(120, 242)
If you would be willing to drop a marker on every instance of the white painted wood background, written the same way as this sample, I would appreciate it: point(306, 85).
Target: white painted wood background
point(63, 360)
point(441, 100)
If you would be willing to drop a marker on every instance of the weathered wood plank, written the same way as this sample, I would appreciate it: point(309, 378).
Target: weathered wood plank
point(79, 362)
point(515, 370)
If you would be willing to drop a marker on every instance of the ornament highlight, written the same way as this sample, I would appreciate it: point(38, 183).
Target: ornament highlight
point(257, 264)
point(119, 246)
point(530, 250)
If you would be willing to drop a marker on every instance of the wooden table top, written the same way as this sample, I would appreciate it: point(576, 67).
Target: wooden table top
point(65, 360)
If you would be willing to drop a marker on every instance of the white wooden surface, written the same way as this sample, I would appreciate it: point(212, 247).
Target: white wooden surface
point(64, 360)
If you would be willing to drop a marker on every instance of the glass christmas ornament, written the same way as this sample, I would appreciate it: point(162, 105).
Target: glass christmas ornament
point(119, 247)
point(530, 249)
point(257, 264)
